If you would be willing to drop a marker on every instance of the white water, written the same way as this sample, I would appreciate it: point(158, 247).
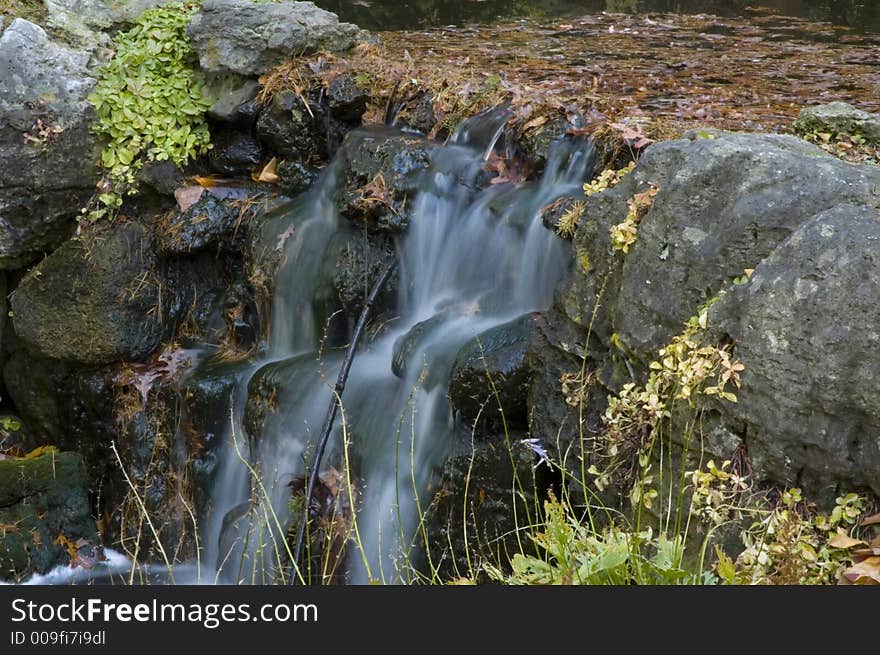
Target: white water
point(473, 258)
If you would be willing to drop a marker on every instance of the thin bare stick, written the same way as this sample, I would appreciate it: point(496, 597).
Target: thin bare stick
point(334, 406)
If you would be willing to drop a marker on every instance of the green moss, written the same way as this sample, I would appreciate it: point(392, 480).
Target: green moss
point(32, 10)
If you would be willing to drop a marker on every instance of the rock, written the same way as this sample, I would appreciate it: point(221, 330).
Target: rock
point(73, 410)
point(725, 202)
point(491, 370)
point(47, 156)
point(347, 100)
point(805, 329)
point(802, 325)
point(537, 143)
point(482, 477)
point(211, 222)
point(418, 114)
point(234, 153)
point(94, 303)
point(41, 498)
point(248, 38)
point(357, 261)
point(291, 130)
point(394, 163)
point(208, 392)
point(839, 118)
point(163, 177)
point(294, 177)
point(273, 389)
point(237, 107)
point(408, 344)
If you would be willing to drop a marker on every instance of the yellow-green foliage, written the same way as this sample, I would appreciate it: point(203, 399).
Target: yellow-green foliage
point(624, 235)
point(568, 221)
point(686, 368)
point(607, 179)
point(792, 544)
point(149, 101)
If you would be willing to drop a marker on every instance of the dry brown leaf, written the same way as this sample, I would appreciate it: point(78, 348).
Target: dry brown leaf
point(535, 122)
point(187, 196)
point(866, 572)
point(874, 519)
point(269, 174)
point(844, 541)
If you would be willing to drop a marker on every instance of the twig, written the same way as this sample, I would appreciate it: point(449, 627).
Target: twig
point(334, 406)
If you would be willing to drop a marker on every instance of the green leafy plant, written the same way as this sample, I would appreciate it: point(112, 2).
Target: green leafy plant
point(149, 103)
point(574, 553)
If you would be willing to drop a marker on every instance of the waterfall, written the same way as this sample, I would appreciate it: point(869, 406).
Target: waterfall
point(474, 256)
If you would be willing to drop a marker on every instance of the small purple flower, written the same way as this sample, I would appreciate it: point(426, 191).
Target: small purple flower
point(538, 449)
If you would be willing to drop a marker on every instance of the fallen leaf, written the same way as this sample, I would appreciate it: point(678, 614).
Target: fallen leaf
point(871, 520)
point(187, 196)
point(535, 122)
point(866, 572)
point(269, 173)
point(842, 540)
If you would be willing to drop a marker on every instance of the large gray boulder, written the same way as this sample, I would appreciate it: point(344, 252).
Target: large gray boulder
point(247, 38)
point(93, 303)
point(807, 329)
point(804, 325)
point(725, 202)
point(47, 156)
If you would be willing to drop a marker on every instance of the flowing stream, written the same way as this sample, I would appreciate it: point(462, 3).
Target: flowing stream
point(475, 256)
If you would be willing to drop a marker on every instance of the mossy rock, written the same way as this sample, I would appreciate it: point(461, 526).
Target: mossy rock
point(42, 498)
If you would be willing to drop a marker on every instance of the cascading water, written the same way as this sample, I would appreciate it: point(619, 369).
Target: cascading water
point(475, 256)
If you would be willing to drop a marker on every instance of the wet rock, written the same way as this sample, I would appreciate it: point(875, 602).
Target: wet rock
point(838, 118)
point(406, 346)
point(157, 453)
point(243, 37)
point(291, 130)
point(357, 261)
point(234, 153)
point(237, 107)
point(725, 202)
point(43, 497)
point(208, 393)
point(271, 390)
point(490, 374)
point(163, 177)
point(477, 508)
point(418, 114)
point(347, 100)
point(294, 177)
point(73, 410)
point(382, 170)
point(94, 302)
point(47, 156)
point(537, 143)
point(805, 329)
point(211, 222)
